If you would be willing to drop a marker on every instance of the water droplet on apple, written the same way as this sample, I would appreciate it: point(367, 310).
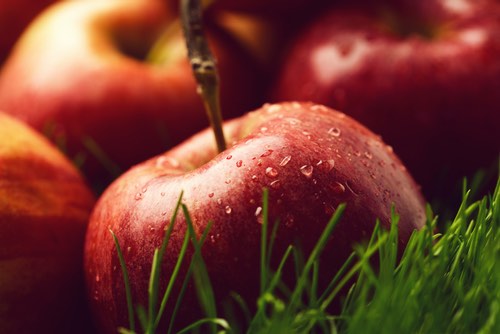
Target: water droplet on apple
point(144, 189)
point(164, 213)
point(271, 172)
point(254, 177)
point(319, 108)
point(285, 160)
point(162, 194)
point(337, 188)
point(266, 153)
point(274, 108)
point(335, 132)
point(138, 196)
point(239, 163)
point(368, 155)
point(228, 209)
point(229, 157)
point(211, 195)
point(258, 211)
point(219, 201)
point(275, 184)
point(259, 162)
point(331, 164)
point(228, 181)
point(97, 278)
point(307, 170)
point(263, 129)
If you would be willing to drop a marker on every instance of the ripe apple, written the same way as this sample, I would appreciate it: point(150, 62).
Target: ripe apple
point(44, 210)
point(423, 74)
point(79, 72)
point(15, 16)
point(311, 159)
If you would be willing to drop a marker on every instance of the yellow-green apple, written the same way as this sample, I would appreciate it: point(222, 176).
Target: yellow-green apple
point(15, 16)
point(423, 74)
point(44, 210)
point(81, 72)
point(311, 159)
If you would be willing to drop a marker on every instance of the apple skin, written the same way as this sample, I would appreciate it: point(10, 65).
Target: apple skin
point(433, 98)
point(44, 210)
point(78, 70)
point(15, 16)
point(311, 159)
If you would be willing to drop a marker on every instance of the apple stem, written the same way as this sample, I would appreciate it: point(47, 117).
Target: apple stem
point(204, 66)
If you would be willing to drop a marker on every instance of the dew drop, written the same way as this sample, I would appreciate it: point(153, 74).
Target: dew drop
point(285, 160)
point(239, 163)
point(337, 188)
point(164, 213)
point(335, 132)
point(254, 177)
point(162, 194)
point(97, 278)
point(271, 172)
point(258, 211)
point(263, 129)
point(306, 170)
point(228, 181)
point(228, 209)
point(274, 108)
point(138, 196)
point(229, 157)
point(368, 155)
point(259, 162)
point(331, 164)
point(266, 153)
point(275, 184)
point(211, 195)
point(144, 189)
point(219, 201)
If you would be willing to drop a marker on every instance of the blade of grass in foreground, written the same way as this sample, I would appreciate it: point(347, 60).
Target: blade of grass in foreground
point(448, 285)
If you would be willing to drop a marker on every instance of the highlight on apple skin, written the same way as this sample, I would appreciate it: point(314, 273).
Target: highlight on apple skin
point(310, 157)
point(44, 210)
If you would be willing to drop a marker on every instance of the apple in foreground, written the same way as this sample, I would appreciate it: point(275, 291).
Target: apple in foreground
point(15, 16)
point(80, 74)
point(422, 74)
point(311, 159)
point(44, 209)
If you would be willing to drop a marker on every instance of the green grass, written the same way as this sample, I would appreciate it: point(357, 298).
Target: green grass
point(444, 282)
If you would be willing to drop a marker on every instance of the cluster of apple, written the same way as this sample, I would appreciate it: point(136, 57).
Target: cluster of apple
point(110, 83)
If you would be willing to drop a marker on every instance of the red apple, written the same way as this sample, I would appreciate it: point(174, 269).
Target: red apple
point(44, 210)
point(80, 71)
point(311, 159)
point(15, 16)
point(423, 74)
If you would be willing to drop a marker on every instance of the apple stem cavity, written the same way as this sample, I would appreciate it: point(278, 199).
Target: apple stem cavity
point(204, 66)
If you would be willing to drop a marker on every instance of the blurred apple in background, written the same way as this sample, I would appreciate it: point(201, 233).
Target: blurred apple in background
point(44, 210)
point(15, 15)
point(89, 74)
point(311, 159)
point(423, 74)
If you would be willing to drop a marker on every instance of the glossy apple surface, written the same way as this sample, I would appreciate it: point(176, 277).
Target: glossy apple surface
point(311, 159)
point(422, 74)
point(44, 210)
point(15, 16)
point(79, 74)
